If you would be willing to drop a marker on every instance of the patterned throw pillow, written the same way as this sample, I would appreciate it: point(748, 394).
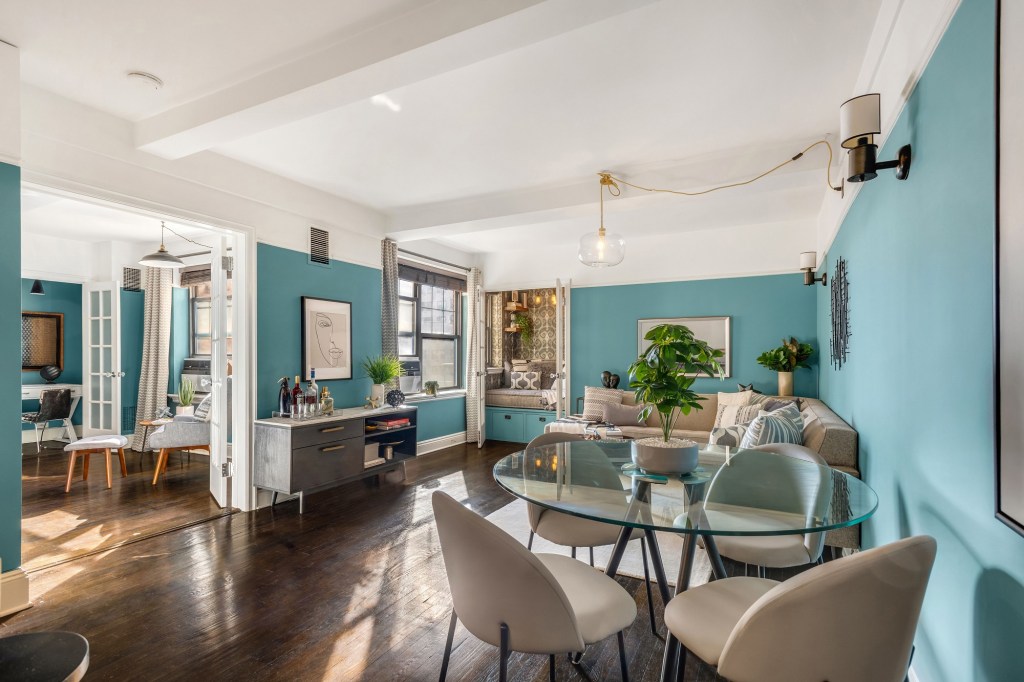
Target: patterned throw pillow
point(729, 435)
point(770, 403)
point(526, 381)
point(621, 415)
point(203, 408)
point(595, 398)
point(781, 426)
point(731, 415)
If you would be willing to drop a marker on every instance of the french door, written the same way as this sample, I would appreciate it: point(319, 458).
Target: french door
point(478, 298)
point(563, 391)
point(101, 331)
point(220, 458)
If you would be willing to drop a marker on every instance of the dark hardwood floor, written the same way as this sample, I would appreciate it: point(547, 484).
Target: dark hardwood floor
point(354, 589)
point(57, 526)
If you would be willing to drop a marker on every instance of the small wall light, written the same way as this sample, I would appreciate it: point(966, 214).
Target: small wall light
point(808, 261)
point(859, 122)
point(37, 288)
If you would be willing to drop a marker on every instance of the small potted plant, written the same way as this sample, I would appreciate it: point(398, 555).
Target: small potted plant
point(661, 379)
point(784, 359)
point(186, 392)
point(525, 325)
point(430, 387)
point(382, 370)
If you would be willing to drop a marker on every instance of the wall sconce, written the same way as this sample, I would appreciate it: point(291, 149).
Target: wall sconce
point(808, 261)
point(859, 122)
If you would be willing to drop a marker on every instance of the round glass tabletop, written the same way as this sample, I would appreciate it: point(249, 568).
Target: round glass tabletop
point(732, 492)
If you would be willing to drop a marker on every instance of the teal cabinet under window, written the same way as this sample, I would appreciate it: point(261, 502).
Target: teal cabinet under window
point(516, 425)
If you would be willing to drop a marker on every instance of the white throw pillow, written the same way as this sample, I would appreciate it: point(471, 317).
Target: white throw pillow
point(728, 406)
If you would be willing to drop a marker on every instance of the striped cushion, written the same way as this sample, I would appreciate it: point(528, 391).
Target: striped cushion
point(203, 408)
point(731, 415)
point(594, 400)
point(781, 426)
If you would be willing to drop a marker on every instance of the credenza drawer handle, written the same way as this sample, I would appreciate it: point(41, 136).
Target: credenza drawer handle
point(332, 429)
point(508, 416)
point(332, 448)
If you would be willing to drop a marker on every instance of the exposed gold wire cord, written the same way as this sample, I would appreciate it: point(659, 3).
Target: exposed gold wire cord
point(610, 180)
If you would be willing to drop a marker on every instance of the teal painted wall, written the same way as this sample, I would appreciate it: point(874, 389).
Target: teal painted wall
point(438, 418)
point(180, 337)
point(10, 365)
point(58, 297)
point(132, 326)
point(763, 310)
point(283, 278)
point(918, 384)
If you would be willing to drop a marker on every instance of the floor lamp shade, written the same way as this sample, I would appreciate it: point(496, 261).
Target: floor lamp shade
point(860, 117)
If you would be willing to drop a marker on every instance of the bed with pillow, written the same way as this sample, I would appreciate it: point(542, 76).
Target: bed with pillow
point(525, 385)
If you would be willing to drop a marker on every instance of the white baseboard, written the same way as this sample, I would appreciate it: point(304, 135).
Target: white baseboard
point(13, 592)
point(440, 443)
point(29, 435)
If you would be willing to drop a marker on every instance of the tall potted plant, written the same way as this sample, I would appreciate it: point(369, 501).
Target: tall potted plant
point(382, 370)
point(661, 379)
point(784, 359)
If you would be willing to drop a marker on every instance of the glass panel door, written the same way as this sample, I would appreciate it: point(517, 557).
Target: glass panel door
point(220, 349)
point(101, 390)
point(563, 393)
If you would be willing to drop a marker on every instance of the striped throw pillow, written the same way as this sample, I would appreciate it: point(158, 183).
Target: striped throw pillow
point(594, 400)
point(731, 415)
point(775, 427)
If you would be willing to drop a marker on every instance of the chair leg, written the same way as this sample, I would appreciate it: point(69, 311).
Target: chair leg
point(447, 646)
point(622, 656)
point(85, 466)
point(39, 446)
point(160, 462)
point(647, 584)
point(591, 557)
point(529, 543)
point(124, 468)
point(110, 476)
point(681, 663)
point(71, 472)
point(551, 668)
point(503, 652)
point(573, 552)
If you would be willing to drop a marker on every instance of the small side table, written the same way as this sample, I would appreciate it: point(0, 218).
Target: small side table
point(44, 657)
point(147, 424)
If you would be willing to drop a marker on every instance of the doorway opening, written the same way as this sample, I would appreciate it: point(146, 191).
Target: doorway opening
point(151, 363)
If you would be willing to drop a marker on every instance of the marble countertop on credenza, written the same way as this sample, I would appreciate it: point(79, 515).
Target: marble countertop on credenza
point(339, 415)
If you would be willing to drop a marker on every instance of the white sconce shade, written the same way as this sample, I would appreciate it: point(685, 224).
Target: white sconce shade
point(808, 260)
point(860, 117)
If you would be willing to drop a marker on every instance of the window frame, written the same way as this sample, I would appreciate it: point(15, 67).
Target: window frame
point(193, 335)
point(418, 336)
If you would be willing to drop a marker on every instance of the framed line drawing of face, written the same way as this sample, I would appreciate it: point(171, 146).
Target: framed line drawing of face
point(326, 338)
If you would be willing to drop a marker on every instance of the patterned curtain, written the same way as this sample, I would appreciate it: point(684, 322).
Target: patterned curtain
point(474, 357)
point(156, 341)
point(389, 298)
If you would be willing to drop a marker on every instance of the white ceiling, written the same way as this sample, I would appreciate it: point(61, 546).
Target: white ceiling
point(477, 124)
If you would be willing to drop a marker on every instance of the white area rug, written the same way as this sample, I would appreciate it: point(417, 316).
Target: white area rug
point(513, 520)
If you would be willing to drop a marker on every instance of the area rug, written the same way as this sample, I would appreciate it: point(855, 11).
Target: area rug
point(513, 520)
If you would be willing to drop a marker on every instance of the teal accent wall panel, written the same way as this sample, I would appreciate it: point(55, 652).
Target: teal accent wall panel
point(10, 365)
point(132, 325)
point(440, 417)
point(918, 383)
point(65, 298)
point(283, 278)
point(181, 341)
point(763, 310)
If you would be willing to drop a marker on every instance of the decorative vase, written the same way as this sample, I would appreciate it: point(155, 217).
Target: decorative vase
point(377, 392)
point(676, 456)
point(185, 409)
point(785, 383)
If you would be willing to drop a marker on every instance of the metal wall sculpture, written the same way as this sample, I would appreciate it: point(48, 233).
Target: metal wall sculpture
point(840, 342)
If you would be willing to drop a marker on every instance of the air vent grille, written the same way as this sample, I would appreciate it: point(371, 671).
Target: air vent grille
point(319, 246)
point(132, 279)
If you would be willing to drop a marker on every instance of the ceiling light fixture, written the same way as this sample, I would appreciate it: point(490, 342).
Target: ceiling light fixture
point(860, 119)
point(37, 288)
point(809, 261)
point(603, 249)
point(161, 258)
point(147, 79)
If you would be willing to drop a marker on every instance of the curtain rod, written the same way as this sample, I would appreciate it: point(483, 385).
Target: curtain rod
point(436, 260)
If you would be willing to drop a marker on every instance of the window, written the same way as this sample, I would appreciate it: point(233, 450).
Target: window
point(202, 321)
point(430, 327)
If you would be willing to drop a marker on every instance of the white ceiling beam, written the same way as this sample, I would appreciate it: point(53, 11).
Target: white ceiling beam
point(570, 200)
point(436, 38)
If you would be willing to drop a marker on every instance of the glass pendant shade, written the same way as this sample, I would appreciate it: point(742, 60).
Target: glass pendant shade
point(601, 249)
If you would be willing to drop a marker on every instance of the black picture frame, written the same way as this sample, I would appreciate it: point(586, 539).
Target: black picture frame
point(35, 326)
point(330, 352)
point(1007, 385)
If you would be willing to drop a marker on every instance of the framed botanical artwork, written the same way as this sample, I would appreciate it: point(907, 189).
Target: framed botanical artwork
point(326, 338)
point(713, 331)
point(1009, 284)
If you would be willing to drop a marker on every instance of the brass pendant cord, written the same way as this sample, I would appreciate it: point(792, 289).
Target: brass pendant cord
point(607, 178)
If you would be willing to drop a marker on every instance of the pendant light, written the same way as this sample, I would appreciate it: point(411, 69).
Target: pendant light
point(37, 288)
point(161, 258)
point(603, 249)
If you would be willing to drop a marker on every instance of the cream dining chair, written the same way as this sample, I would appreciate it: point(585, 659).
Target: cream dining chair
point(848, 620)
point(519, 601)
point(573, 531)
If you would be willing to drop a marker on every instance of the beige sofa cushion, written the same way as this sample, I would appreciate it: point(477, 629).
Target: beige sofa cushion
point(698, 420)
point(827, 434)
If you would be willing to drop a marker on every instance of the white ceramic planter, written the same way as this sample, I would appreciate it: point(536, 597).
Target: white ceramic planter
point(185, 409)
point(678, 456)
point(785, 383)
point(377, 392)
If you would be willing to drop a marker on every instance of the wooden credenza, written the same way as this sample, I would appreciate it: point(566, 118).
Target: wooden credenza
point(305, 456)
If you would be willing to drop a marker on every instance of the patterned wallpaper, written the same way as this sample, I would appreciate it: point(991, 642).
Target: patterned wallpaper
point(541, 310)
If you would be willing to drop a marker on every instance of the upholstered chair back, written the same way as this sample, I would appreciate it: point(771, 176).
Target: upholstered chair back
point(54, 404)
point(844, 621)
point(494, 580)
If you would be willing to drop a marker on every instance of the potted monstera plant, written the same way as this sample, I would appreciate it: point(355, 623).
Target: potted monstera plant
point(661, 379)
point(784, 359)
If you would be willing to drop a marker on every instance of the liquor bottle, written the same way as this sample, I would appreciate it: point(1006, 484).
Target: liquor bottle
point(298, 400)
point(284, 398)
point(326, 402)
point(312, 382)
point(311, 400)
